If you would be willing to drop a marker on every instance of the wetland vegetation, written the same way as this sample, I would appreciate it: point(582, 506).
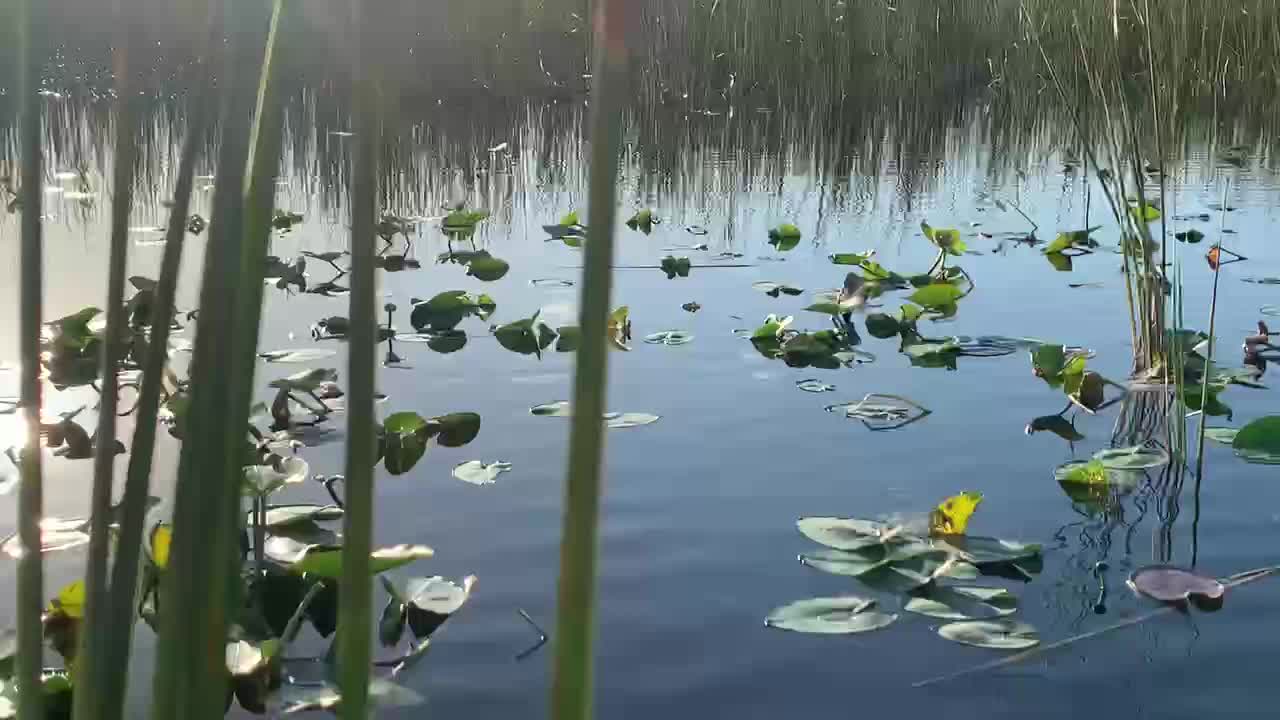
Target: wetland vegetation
point(306, 292)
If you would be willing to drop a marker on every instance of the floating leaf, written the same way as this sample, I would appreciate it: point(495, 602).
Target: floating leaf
point(629, 420)
point(851, 258)
point(1132, 458)
point(1176, 586)
point(527, 337)
point(1192, 236)
point(879, 411)
point(784, 237)
point(992, 634)
point(951, 517)
point(430, 601)
point(963, 603)
point(843, 562)
point(946, 240)
point(1057, 425)
point(1259, 441)
point(463, 219)
point(936, 295)
point(555, 409)
point(568, 338)
point(1223, 435)
point(283, 516)
point(814, 385)
point(326, 560)
point(1075, 239)
point(455, 429)
point(849, 533)
point(265, 479)
point(827, 308)
point(882, 326)
point(675, 267)
point(488, 269)
point(982, 551)
point(306, 380)
point(296, 356)
point(692, 307)
point(643, 220)
point(478, 473)
point(773, 289)
point(669, 337)
point(829, 615)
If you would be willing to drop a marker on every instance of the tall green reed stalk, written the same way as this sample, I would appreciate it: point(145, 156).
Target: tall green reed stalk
point(91, 666)
point(572, 687)
point(354, 591)
point(30, 598)
point(198, 585)
point(124, 576)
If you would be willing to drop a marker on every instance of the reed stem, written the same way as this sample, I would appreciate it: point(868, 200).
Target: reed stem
point(572, 688)
point(30, 600)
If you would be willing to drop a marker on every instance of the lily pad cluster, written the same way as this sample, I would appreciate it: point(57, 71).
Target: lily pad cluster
point(925, 569)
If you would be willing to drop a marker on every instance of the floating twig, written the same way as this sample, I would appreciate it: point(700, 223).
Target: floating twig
point(542, 636)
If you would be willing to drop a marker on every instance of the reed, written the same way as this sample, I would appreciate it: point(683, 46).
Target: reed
point(354, 592)
point(30, 600)
point(572, 685)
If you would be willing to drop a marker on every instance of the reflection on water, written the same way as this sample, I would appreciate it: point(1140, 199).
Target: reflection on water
point(855, 122)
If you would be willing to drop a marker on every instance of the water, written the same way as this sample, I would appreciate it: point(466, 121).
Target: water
point(698, 539)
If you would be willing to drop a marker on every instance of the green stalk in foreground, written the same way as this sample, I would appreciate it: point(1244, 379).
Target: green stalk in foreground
point(571, 693)
point(124, 574)
point(354, 591)
point(30, 601)
point(92, 668)
point(197, 589)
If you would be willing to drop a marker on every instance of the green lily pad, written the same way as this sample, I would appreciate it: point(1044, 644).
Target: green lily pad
point(526, 337)
point(555, 409)
point(1259, 441)
point(675, 267)
point(1192, 236)
point(985, 551)
point(963, 603)
point(785, 237)
point(463, 219)
point(946, 240)
point(830, 616)
point(629, 420)
point(643, 220)
point(850, 258)
point(848, 533)
point(992, 634)
point(843, 562)
point(429, 601)
point(936, 295)
point(488, 269)
point(882, 326)
point(265, 479)
point(326, 560)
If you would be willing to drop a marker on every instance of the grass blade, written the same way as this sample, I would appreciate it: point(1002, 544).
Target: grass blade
point(355, 591)
point(30, 600)
point(92, 666)
point(124, 575)
point(190, 679)
point(571, 693)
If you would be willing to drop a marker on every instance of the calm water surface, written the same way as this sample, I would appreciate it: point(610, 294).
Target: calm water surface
point(698, 539)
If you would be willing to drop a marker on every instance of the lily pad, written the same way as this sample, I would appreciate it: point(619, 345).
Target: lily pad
point(1223, 435)
point(488, 269)
point(675, 267)
point(851, 258)
point(306, 380)
point(1259, 441)
point(326, 560)
point(1192, 236)
point(283, 516)
point(992, 634)
point(643, 220)
point(848, 533)
point(814, 385)
point(555, 409)
point(266, 479)
point(429, 601)
point(785, 237)
point(830, 616)
point(669, 337)
point(1132, 458)
point(1176, 586)
point(882, 412)
point(476, 472)
point(936, 295)
point(981, 551)
point(773, 289)
point(296, 356)
point(619, 421)
point(963, 603)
